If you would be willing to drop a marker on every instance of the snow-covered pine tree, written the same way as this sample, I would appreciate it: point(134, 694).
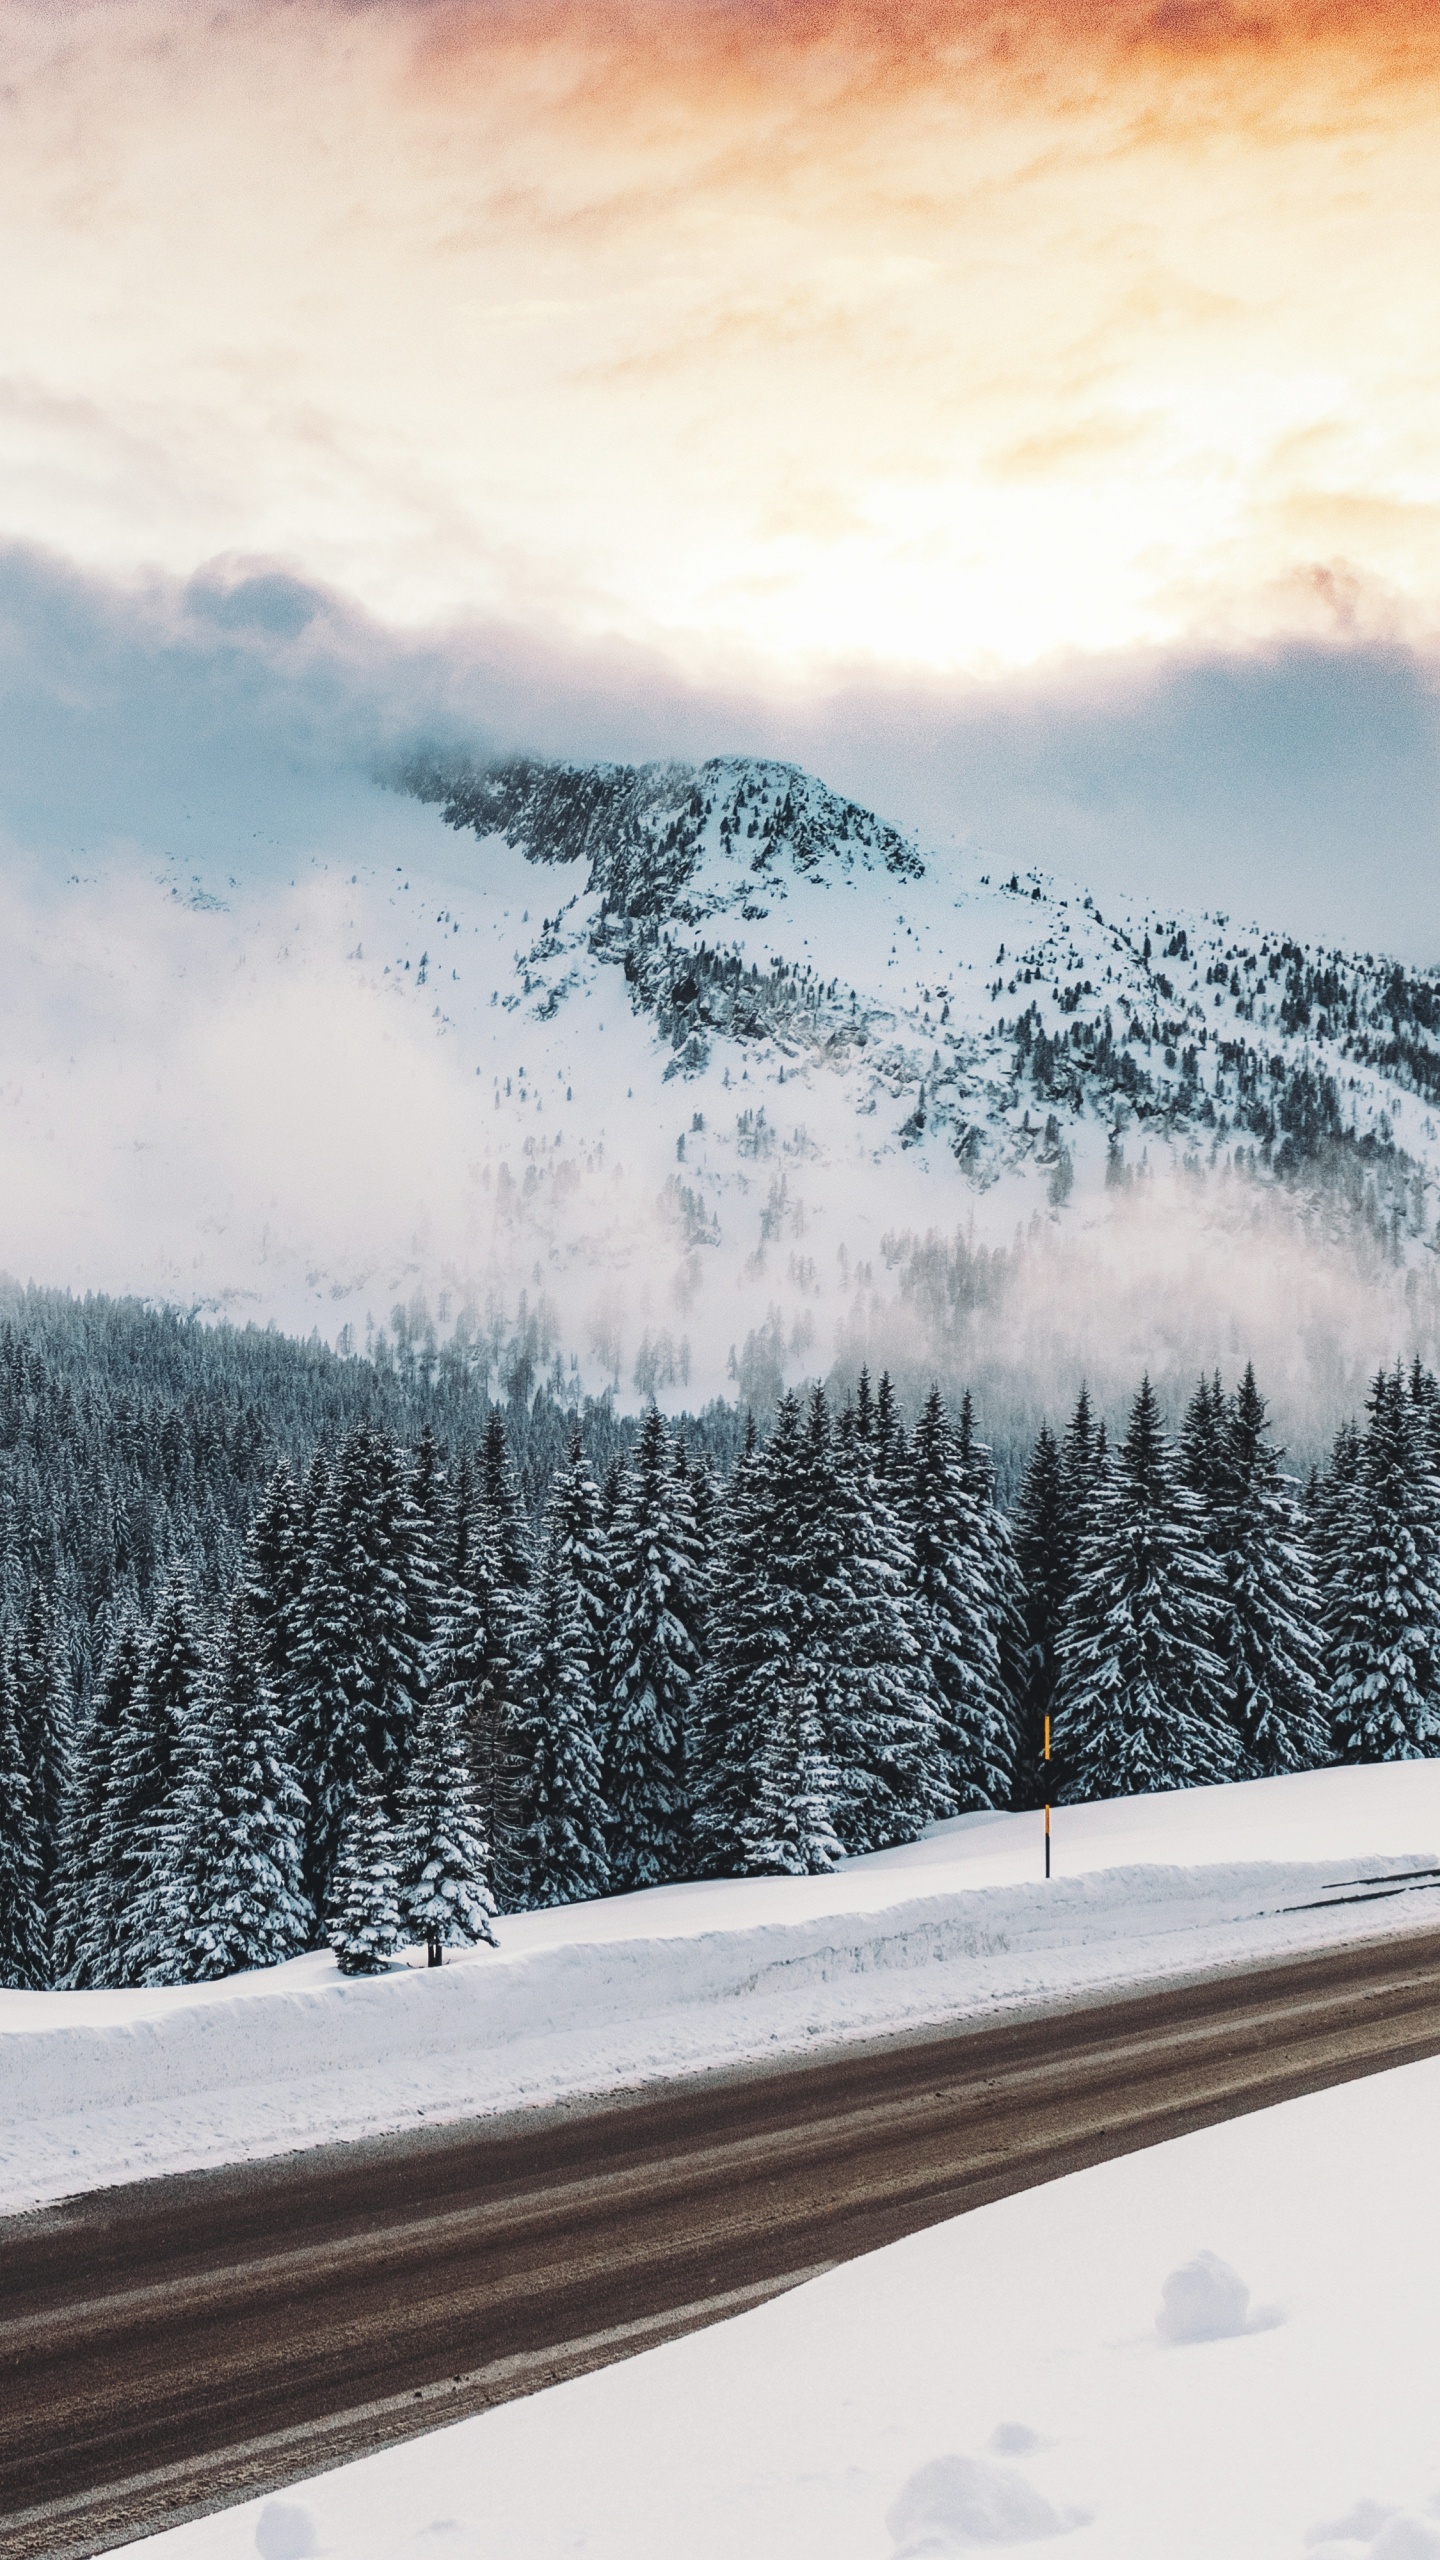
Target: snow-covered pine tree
point(575, 1527)
point(24, 1952)
point(1140, 1705)
point(365, 1924)
point(1383, 1607)
point(882, 1734)
point(996, 1551)
point(759, 1622)
point(1268, 1634)
point(359, 1663)
point(957, 1617)
point(44, 1717)
point(274, 1577)
point(85, 1934)
point(1081, 1469)
point(1042, 1556)
point(788, 1828)
point(891, 1453)
point(501, 1494)
point(474, 1665)
point(442, 1854)
point(1204, 1455)
point(560, 1845)
point(238, 1898)
point(151, 1765)
point(653, 1667)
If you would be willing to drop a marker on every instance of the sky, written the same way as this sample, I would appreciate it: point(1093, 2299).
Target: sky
point(1028, 415)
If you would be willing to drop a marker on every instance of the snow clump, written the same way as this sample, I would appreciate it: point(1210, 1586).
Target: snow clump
point(1207, 2299)
point(956, 2502)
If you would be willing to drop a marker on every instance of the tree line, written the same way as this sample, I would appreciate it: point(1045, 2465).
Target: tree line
point(416, 1705)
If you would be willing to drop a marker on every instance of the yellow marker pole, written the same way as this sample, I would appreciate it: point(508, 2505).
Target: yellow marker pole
point(1047, 1799)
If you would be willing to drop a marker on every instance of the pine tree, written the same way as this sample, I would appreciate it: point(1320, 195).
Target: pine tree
point(1204, 1453)
point(759, 1622)
point(151, 1764)
point(1042, 1557)
point(501, 1495)
point(560, 1845)
point(653, 1668)
point(445, 1898)
point(366, 1927)
point(85, 1948)
point(24, 1955)
point(882, 1735)
point(995, 1557)
point(1384, 1607)
point(1082, 1466)
point(959, 1619)
point(1268, 1635)
point(274, 1576)
point(238, 1901)
point(575, 1525)
point(44, 1717)
point(360, 1656)
point(474, 1667)
point(1139, 1704)
point(788, 1829)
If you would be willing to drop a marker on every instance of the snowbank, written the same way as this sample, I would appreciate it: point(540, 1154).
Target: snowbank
point(1221, 2346)
point(97, 2087)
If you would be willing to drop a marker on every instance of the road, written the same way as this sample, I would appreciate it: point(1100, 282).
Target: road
point(168, 2347)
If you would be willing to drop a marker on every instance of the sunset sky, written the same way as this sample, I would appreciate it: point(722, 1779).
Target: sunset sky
point(1033, 411)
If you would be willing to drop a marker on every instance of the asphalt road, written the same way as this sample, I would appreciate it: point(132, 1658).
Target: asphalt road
point(168, 2347)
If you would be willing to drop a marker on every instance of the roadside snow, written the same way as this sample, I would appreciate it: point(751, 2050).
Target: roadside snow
point(1221, 2346)
point(100, 2087)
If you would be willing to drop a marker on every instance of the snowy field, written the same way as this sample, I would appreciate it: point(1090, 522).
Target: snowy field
point(1054, 2368)
point(100, 2087)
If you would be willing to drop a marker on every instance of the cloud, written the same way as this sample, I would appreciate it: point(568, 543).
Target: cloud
point(1298, 785)
point(1083, 321)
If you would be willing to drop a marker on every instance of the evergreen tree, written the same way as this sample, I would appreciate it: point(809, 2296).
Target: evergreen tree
point(576, 1528)
point(274, 1577)
point(358, 1671)
point(960, 1618)
point(501, 1495)
point(151, 1764)
point(1082, 1466)
point(995, 1557)
point(1043, 1558)
point(882, 1735)
point(1331, 1497)
point(1204, 1445)
point(788, 1829)
point(561, 1850)
point(85, 1949)
point(1384, 1607)
point(239, 1900)
point(1268, 1636)
point(653, 1667)
point(442, 1854)
point(891, 1454)
point(366, 1927)
point(759, 1623)
point(44, 1722)
point(24, 1956)
point(474, 1668)
point(1139, 1702)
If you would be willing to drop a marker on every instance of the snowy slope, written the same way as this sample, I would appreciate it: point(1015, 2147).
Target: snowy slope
point(1051, 2372)
point(103, 2086)
point(695, 1062)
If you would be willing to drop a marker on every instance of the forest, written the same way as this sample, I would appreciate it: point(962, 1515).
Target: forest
point(300, 1648)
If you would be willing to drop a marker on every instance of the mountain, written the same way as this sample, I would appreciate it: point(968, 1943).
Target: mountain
point(689, 1078)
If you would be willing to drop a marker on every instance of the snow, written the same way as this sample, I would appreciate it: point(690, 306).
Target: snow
point(104, 2086)
point(1220, 2346)
point(485, 1110)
